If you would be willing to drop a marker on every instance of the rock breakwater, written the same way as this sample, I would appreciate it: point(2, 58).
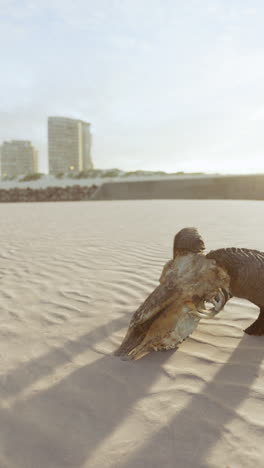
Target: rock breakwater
point(73, 193)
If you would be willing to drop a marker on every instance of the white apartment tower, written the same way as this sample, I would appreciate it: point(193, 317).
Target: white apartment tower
point(18, 157)
point(69, 144)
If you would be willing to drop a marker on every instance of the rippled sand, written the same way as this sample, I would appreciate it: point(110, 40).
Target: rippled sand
point(71, 275)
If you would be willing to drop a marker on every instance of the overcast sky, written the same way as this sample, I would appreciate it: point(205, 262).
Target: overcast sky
point(166, 84)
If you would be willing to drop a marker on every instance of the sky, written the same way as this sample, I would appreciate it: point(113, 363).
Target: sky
point(167, 85)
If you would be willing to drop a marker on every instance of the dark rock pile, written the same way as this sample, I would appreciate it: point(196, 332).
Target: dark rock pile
point(70, 193)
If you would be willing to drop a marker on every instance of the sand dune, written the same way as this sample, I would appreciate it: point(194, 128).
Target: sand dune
point(71, 276)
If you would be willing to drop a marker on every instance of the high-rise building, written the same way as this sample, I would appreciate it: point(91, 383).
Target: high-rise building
point(69, 142)
point(18, 157)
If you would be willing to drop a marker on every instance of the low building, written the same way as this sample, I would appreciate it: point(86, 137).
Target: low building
point(18, 157)
point(69, 145)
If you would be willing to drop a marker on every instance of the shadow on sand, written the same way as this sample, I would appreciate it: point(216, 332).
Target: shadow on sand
point(182, 443)
point(60, 427)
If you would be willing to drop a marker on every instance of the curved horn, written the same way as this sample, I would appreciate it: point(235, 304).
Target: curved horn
point(218, 302)
point(188, 239)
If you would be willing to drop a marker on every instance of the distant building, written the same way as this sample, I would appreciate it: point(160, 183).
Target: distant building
point(69, 143)
point(18, 157)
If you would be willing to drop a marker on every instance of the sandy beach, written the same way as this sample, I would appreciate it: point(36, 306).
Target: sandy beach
point(71, 276)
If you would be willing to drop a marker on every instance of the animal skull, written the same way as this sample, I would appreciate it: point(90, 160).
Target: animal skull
point(188, 283)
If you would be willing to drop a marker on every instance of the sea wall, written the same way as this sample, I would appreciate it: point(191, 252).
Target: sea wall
point(73, 193)
point(250, 187)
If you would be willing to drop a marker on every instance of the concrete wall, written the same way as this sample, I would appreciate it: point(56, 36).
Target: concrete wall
point(225, 187)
